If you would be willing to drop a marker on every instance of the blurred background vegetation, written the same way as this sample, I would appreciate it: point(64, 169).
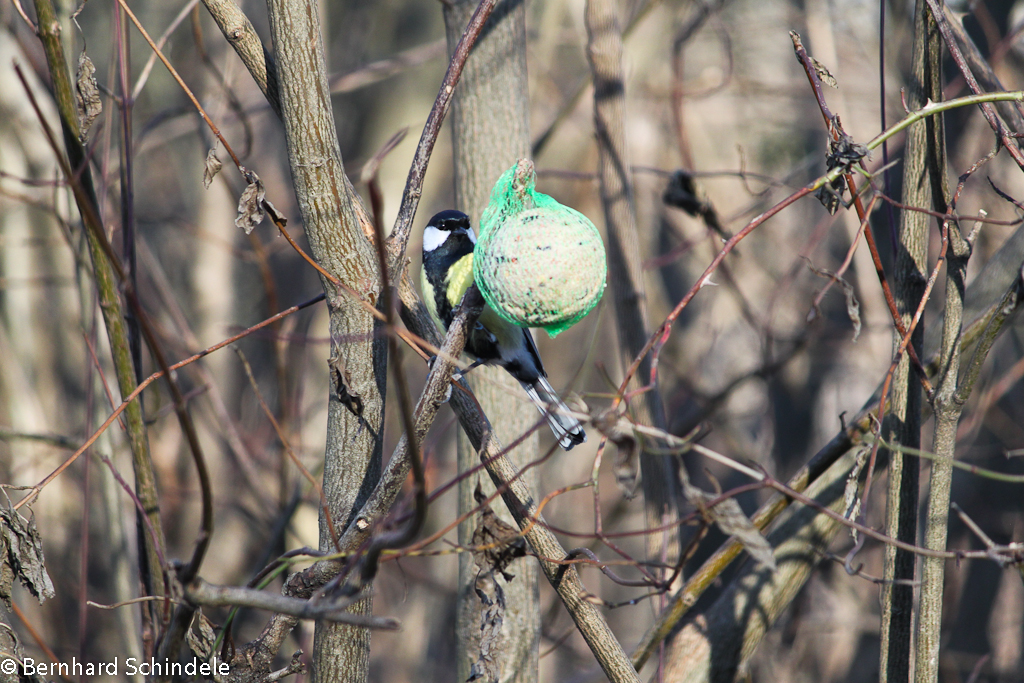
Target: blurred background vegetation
point(713, 88)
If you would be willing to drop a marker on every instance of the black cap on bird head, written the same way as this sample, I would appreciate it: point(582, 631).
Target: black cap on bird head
point(449, 223)
point(449, 219)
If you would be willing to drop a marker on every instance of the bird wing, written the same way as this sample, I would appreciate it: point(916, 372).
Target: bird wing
point(531, 346)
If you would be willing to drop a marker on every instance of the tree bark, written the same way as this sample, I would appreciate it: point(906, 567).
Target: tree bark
point(352, 460)
point(948, 406)
point(490, 124)
point(105, 280)
point(923, 183)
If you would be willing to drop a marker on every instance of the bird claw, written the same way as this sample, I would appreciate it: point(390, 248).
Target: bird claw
point(460, 374)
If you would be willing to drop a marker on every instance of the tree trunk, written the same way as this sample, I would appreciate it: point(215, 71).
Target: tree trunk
point(352, 459)
point(490, 123)
point(924, 170)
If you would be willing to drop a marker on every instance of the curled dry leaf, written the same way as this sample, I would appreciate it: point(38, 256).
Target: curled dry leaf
point(250, 205)
point(21, 556)
point(87, 95)
point(275, 215)
point(212, 168)
point(684, 192)
point(852, 305)
point(851, 503)
point(617, 428)
point(843, 152)
point(729, 517)
point(497, 544)
point(341, 382)
point(201, 636)
point(823, 74)
point(831, 195)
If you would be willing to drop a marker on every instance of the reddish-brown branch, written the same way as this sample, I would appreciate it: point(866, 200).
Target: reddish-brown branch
point(835, 129)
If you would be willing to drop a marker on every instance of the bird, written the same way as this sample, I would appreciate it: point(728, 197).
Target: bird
point(448, 243)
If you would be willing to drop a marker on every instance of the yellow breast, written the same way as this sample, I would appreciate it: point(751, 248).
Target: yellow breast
point(460, 277)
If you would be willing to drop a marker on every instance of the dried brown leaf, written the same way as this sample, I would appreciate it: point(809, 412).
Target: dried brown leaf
point(831, 195)
point(21, 556)
point(852, 305)
point(729, 517)
point(617, 428)
point(212, 167)
point(201, 636)
point(275, 215)
point(250, 205)
point(823, 74)
point(845, 151)
point(684, 192)
point(496, 543)
point(341, 382)
point(87, 95)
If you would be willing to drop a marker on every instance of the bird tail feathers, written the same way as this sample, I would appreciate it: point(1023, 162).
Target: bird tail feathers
point(567, 429)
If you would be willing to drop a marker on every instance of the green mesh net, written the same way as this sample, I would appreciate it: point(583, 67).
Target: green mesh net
point(537, 263)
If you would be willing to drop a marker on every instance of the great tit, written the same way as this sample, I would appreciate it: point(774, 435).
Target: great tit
point(448, 243)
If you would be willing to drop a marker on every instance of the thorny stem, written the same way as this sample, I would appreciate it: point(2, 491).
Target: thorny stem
point(905, 341)
point(933, 108)
point(857, 431)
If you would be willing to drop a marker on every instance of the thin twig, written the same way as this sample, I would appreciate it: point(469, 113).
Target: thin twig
point(836, 131)
point(375, 72)
point(986, 108)
point(405, 535)
point(287, 447)
point(201, 593)
point(149, 380)
point(148, 67)
point(399, 239)
point(181, 83)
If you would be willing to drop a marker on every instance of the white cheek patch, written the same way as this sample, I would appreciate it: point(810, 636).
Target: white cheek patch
point(433, 238)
